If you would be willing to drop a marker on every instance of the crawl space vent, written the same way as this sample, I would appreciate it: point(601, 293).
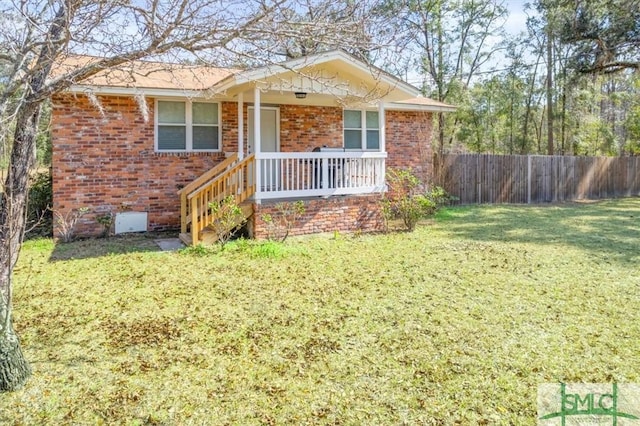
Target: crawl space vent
point(131, 222)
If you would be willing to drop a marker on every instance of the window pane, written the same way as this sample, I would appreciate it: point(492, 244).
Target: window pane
point(171, 137)
point(205, 113)
point(171, 112)
point(372, 119)
point(205, 137)
point(353, 139)
point(373, 139)
point(352, 119)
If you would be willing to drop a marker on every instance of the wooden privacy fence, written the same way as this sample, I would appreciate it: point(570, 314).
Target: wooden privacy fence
point(486, 178)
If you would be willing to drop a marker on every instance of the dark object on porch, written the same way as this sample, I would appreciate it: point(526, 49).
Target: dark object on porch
point(335, 166)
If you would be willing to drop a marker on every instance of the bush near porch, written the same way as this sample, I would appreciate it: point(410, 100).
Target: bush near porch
point(455, 323)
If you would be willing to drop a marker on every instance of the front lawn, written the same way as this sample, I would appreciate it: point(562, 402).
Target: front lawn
point(456, 323)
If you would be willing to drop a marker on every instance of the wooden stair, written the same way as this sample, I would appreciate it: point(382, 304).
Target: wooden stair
point(207, 235)
point(229, 178)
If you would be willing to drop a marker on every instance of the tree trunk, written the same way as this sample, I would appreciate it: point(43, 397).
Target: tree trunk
point(550, 143)
point(439, 152)
point(563, 126)
point(524, 146)
point(14, 369)
point(511, 118)
point(441, 133)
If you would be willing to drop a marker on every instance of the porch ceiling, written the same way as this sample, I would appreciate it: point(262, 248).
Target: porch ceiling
point(273, 97)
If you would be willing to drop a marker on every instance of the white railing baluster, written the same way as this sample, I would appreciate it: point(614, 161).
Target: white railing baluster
point(300, 174)
point(284, 177)
point(325, 173)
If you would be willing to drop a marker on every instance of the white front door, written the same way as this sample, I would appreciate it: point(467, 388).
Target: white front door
point(269, 142)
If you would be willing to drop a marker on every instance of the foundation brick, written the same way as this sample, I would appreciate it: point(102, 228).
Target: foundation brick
point(354, 213)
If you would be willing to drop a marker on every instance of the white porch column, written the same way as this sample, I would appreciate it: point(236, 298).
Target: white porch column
point(240, 126)
point(381, 176)
point(256, 142)
point(256, 120)
point(382, 126)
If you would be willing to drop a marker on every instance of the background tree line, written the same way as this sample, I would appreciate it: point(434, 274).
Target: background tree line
point(567, 84)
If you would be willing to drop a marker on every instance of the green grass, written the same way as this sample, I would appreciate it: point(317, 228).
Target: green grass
point(456, 323)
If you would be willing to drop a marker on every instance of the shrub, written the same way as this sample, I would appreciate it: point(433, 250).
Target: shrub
point(400, 200)
point(401, 183)
point(387, 212)
point(403, 201)
point(440, 197)
point(228, 218)
point(412, 208)
point(281, 222)
point(39, 215)
point(106, 220)
point(66, 224)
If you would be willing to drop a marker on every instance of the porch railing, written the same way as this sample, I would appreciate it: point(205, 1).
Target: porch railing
point(305, 174)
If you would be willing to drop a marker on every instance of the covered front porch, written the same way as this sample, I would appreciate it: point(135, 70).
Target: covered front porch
point(313, 127)
point(299, 134)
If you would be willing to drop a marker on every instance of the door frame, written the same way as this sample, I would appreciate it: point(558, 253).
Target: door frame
point(250, 114)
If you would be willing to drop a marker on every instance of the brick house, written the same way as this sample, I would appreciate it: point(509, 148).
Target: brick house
point(156, 143)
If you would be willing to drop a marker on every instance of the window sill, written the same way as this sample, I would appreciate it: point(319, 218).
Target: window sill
point(189, 153)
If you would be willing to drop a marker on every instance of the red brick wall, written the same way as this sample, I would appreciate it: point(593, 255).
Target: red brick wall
point(341, 213)
point(105, 160)
point(408, 140)
point(303, 128)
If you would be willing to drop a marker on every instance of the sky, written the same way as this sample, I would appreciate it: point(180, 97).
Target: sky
point(517, 18)
point(515, 24)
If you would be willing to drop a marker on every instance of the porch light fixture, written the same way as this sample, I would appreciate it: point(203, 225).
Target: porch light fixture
point(301, 95)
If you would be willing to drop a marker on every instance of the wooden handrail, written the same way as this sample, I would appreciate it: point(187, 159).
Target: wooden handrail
point(225, 175)
point(210, 174)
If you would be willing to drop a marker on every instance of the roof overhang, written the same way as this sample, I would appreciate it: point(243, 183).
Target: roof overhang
point(137, 91)
point(333, 78)
point(420, 104)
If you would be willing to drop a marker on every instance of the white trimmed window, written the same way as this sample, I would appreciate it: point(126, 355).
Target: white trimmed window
point(187, 126)
point(361, 130)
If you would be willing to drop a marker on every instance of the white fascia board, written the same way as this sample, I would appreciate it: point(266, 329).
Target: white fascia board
point(391, 106)
point(131, 91)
